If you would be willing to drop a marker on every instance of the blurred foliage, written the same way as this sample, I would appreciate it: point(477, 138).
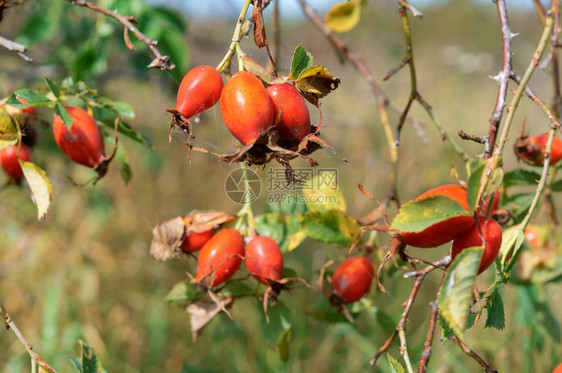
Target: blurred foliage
point(86, 273)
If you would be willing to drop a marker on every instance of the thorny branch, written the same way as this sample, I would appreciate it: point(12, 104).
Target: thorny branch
point(161, 61)
point(502, 78)
point(19, 49)
point(35, 358)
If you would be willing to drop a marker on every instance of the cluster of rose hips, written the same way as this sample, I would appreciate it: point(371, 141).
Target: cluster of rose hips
point(249, 109)
point(83, 143)
point(221, 255)
point(463, 230)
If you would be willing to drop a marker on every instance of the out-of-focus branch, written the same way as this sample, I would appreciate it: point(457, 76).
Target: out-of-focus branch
point(467, 350)
point(162, 62)
point(502, 78)
point(18, 48)
point(35, 358)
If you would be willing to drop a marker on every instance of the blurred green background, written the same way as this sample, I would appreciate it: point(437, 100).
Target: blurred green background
point(84, 272)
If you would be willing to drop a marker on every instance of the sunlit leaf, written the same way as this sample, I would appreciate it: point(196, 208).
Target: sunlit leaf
point(512, 240)
point(332, 226)
point(456, 294)
point(124, 109)
point(40, 185)
point(343, 16)
point(415, 216)
point(483, 181)
point(322, 192)
point(32, 98)
point(301, 61)
point(286, 230)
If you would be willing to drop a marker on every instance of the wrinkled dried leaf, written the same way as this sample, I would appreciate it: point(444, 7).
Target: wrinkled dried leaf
point(202, 311)
point(167, 238)
point(203, 221)
point(317, 80)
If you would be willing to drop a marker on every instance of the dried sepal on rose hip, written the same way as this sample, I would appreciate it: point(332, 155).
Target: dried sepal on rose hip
point(532, 149)
point(200, 89)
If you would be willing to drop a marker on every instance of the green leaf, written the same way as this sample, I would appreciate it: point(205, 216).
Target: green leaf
point(512, 240)
point(556, 186)
point(236, 289)
point(415, 216)
point(283, 344)
point(184, 292)
point(124, 109)
point(456, 294)
point(344, 16)
point(286, 230)
point(332, 226)
point(288, 207)
point(90, 360)
point(32, 98)
point(322, 192)
point(76, 363)
point(395, 366)
point(256, 69)
point(121, 159)
point(496, 315)
point(65, 116)
point(520, 177)
point(52, 86)
point(446, 331)
point(125, 129)
point(301, 60)
point(480, 185)
point(40, 185)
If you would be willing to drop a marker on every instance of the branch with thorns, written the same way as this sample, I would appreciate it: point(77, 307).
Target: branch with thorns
point(162, 62)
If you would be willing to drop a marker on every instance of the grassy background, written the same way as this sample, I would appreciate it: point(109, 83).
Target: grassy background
point(85, 271)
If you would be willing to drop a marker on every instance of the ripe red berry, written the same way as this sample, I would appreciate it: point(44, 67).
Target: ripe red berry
point(532, 149)
point(199, 90)
point(442, 232)
point(195, 241)
point(558, 369)
point(9, 160)
point(352, 279)
point(83, 143)
point(492, 233)
point(295, 119)
point(246, 107)
point(264, 259)
point(220, 257)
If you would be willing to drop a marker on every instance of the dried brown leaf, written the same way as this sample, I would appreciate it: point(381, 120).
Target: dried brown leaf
point(204, 221)
point(202, 311)
point(167, 239)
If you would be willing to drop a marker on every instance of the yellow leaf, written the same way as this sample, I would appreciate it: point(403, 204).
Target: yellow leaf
point(344, 16)
point(317, 80)
point(40, 185)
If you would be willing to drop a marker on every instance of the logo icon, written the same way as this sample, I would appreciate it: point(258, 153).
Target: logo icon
point(235, 188)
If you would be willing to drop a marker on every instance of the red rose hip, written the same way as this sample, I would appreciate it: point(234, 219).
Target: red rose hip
point(194, 241)
point(295, 118)
point(442, 232)
point(9, 160)
point(352, 279)
point(246, 107)
point(264, 259)
point(83, 143)
point(492, 233)
point(199, 90)
point(220, 257)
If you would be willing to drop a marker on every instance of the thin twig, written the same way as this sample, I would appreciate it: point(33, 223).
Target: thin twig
point(35, 358)
point(426, 354)
point(443, 262)
point(467, 350)
point(162, 62)
point(553, 120)
point(18, 48)
point(401, 327)
point(502, 78)
point(465, 136)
